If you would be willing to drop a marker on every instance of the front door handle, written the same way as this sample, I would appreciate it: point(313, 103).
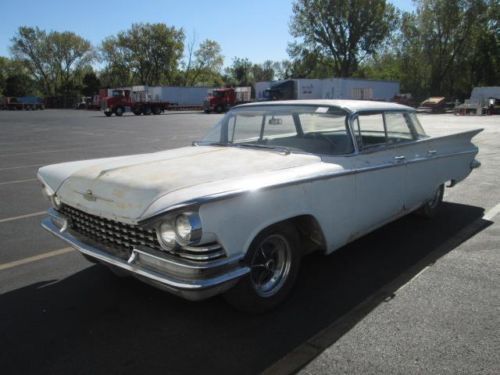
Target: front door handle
point(432, 152)
point(400, 158)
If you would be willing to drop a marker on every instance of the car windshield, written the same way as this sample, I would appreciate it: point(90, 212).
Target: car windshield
point(311, 129)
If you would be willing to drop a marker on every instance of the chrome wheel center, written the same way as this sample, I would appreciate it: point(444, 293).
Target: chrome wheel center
point(270, 265)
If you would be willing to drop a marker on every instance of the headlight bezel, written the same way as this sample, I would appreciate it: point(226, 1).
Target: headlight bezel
point(171, 221)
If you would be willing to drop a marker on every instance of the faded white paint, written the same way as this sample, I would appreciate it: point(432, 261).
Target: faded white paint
point(348, 196)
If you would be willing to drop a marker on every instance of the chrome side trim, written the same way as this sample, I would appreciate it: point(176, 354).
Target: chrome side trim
point(201, 283)
point(233, 193)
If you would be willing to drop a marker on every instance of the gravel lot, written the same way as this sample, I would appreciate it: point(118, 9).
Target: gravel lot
point(413, 297)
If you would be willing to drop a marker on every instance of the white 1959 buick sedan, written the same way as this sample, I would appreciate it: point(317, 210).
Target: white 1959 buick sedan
point(270, 183)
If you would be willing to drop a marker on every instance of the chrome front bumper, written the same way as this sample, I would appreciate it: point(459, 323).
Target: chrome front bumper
point(191, 280)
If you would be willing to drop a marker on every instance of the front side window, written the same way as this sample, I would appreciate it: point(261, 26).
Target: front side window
point(311, 129)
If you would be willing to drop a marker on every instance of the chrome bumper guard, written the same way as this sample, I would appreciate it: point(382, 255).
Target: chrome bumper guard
point(191, 280)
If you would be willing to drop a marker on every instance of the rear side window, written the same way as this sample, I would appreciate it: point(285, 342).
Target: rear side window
point(412, 117)
point(370, 130)
point(397, 127)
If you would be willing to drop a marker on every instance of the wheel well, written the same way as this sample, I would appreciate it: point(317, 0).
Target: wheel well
point(309, 231)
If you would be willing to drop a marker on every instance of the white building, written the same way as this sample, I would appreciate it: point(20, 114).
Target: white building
point(337, 88)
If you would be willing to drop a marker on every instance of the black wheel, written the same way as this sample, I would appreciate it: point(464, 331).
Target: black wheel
point(146, 111)
point(156, 110)
point(431, 207)
point(119, 111)
point(274, 260)
point(137, 111)
point(206, 111)
point(108, 114)
point(219, 108)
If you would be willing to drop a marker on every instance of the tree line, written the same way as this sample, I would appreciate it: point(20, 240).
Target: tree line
point(443, 47)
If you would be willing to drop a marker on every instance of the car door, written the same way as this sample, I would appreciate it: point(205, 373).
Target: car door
point(379, 173)
point(422, 167)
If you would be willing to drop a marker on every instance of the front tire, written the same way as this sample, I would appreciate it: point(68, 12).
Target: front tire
point(431, 207)
point(274, 260)
point(119, 111)
point(219, 108)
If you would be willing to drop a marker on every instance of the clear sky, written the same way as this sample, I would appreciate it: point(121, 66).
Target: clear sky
point(256, 29)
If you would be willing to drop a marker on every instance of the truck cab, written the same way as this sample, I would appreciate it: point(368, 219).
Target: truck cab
point(219, 100)
point(117, 102)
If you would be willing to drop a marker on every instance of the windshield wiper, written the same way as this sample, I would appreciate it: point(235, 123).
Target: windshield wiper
point(281, 149)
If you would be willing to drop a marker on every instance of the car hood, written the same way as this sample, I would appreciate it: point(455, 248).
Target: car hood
point(123, 188)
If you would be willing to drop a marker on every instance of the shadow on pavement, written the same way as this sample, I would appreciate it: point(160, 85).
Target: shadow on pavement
point(95, 323)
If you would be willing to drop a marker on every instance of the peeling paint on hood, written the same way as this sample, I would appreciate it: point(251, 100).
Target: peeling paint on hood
point(123, 188)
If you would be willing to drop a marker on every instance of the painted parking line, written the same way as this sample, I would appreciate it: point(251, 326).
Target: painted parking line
point(35, 258)
point(490, 215)
point(18, 181)
point(299, 357)
point(20, 167)
point(12, 218)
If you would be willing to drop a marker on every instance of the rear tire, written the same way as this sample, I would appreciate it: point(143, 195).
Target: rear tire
point(274, 260)
point(156, 110)
point(108, 114)
point(431, 207)
point(146, 111)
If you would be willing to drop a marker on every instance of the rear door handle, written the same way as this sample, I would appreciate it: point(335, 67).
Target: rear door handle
point(400, 158)
point(432, 152)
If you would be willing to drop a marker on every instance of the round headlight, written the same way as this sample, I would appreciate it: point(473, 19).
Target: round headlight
point(183, 227)
point(166, 233)
point(188, 228)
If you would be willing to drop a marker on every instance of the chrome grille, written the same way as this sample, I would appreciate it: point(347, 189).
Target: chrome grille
point(110, 232)
point(124, 237)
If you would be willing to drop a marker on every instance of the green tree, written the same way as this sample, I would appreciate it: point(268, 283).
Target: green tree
point(342, 33)
point(148, 53)
point(15, 79)
point(264, 71)
point(54, 59)
point(206, 66)
point(90, 84)
point(240, 72)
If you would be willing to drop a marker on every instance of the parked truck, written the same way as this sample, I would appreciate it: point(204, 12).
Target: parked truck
point(221, 99)
point(284, 90)
point(137, 102)
point(21, 103)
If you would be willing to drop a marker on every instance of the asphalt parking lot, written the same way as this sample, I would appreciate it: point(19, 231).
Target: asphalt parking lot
point(415, 296)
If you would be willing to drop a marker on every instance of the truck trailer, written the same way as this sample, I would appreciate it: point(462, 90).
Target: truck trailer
point(328, 88)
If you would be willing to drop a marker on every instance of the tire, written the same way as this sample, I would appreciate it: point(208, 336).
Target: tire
point(137, 111)
point(219, 108)
point(156, 110)
point(108, 114)
point(119, 111)
point(274, 260)
point(431, 207)
point(146, 111)
point(206, 111)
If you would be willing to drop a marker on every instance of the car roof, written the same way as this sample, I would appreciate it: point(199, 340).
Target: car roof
point(349, 105)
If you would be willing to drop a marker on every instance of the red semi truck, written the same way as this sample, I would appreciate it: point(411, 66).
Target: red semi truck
point(220, 100)
point(122, 101)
